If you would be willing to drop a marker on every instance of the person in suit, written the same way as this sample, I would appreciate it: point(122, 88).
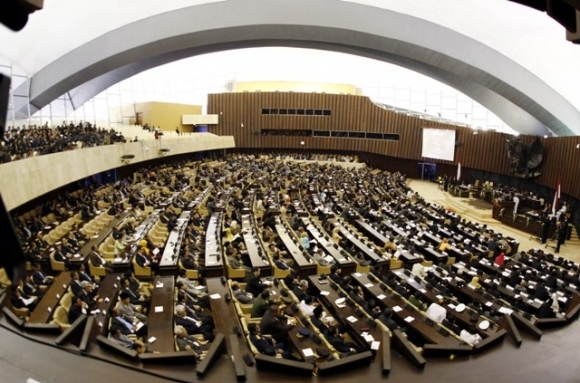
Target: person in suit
point(386, 318)
point(358, 296)
point(235, 260)
point(84, 276)
point(39, 277)
point(30, 288)
point(192, 325)
point(190, 287)
point(127, 327)
point(135, 297)
point(281, 263)
point(401, 288)
point(128, 310)
point(253, 283)
point(318, 320)
point(336, 339)
point(271, 324)
point(264, 344)
point(97, 259)
point(241, 295)
point(61, 254)
point(545, 228)
point(75, 284)
point(541, 292)
point(77, 308)
point(187, 342)
point(335, 272)
point(88, 296)
point(116, 335)
point(319, 257)
point(20, 300)
point(560, 234)
point(301, 290)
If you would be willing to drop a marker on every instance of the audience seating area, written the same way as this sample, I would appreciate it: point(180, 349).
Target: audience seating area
point(303, 268)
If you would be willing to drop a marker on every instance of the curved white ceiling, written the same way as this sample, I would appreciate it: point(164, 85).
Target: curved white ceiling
point(528, 37)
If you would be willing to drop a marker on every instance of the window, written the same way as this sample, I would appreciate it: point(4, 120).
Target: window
point(375, 136)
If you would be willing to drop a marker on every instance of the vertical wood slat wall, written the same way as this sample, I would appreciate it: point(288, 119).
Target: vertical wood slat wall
point(483, 151)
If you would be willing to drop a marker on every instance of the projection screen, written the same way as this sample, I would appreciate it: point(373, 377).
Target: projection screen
point(438, 144)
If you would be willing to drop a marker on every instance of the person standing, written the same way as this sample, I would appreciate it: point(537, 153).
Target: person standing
point(561, 235)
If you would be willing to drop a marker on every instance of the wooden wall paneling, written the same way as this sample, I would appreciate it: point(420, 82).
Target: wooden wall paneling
point(483, 151)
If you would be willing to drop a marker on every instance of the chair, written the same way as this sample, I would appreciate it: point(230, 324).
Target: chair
point(279, 273)
point(66, 300)
point(395, 264)
point(56, 265)
point(5, 282)
point(141, 271)
point(235, 273)
point(189, 274)
point(322, 269)
point(97, 270)
point(60, 317)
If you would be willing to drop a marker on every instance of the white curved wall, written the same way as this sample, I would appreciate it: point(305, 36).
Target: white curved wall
point(30, 178)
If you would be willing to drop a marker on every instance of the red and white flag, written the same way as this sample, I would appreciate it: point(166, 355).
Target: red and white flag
point(557, 196)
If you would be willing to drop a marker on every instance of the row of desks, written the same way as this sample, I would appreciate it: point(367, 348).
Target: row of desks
point(368, 252)
point(329, 247)
point(303, 266)
point(213, 258)
point(404, 314)
point(43, 311)
point(346, 316)
point(170, 256)
point(463, 318)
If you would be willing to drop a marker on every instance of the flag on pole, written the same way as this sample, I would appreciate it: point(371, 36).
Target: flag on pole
point(458, 169)
point(557, 195)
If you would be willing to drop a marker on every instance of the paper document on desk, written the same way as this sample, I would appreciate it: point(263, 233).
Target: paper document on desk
point(215, 296)
point(409, 319)
point(397, 309)
point(352, 319)
point(308, 352)
point(505, 310)
point(158, 309)
point(369, 338)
